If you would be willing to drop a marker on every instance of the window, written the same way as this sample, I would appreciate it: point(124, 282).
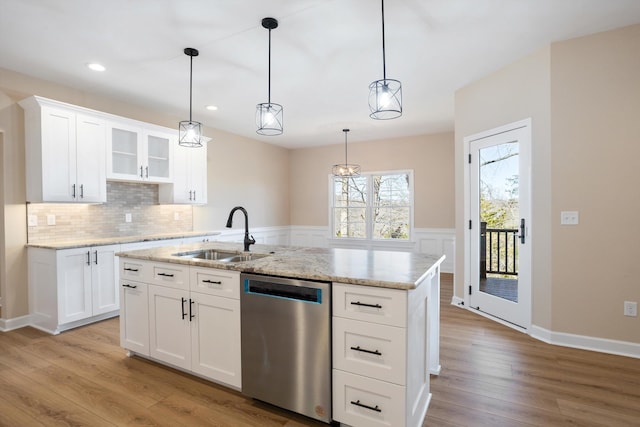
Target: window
point(376, 206)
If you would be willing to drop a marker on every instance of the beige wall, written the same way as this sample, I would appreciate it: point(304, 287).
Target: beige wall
point(241, 171)
point(248, 173)
point(430, 156)
point(583, 96)
point(595, 107)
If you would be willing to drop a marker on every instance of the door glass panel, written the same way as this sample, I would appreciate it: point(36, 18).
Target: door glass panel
point(499, 216)
point(158, 149)
point(124, 151)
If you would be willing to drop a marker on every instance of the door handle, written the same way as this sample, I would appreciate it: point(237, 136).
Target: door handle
point(82, 191)
point(182, 304)
point(191, 315)
point(96, 252)
point(522, 230)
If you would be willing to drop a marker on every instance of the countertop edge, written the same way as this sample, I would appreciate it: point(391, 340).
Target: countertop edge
point(73, 244)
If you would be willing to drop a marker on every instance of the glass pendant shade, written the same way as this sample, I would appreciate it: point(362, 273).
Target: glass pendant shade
point(345, 169)
point(269, 119)
point(190, 134)
point(385, 99)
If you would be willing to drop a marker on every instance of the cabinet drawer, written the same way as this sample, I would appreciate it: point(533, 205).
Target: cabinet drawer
point(370, 304)
point(170, 275)
point(134, 269)
point(362, 401)
point(224, 283)
point(377, 351)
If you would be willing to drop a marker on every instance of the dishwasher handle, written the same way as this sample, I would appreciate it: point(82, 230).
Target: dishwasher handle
point(284, 291)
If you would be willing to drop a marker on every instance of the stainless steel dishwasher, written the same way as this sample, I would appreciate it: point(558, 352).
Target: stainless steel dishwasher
point(286, 343)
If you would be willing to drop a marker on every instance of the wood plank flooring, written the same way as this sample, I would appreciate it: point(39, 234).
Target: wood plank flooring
point(491, 376)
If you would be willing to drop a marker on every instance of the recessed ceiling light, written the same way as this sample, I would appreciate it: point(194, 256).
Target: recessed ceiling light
point(212, 107)
point(95, 66)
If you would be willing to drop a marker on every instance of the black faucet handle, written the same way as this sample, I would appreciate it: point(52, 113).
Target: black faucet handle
point(252, 240)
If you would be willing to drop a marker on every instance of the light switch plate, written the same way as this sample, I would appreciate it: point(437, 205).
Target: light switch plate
point(631, 308)
point(127, 217)
point(51, 219)
point(569, 218)
point(176, 216)
point(33, 220)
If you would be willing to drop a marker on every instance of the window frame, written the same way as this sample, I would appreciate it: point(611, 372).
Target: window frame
point(369, 210)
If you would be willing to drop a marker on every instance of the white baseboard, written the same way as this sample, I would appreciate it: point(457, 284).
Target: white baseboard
point(7, 325)
point(603, 345)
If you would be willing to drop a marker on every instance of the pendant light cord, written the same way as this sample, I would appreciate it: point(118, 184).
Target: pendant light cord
point(346, 160)
point(384, 66)
point(190, 88)
point(269, 82)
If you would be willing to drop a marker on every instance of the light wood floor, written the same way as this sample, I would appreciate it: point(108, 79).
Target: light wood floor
point(491, 376)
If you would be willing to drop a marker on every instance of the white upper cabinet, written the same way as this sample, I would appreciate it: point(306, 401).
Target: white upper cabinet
point(65, 153)
point(139, 153)
point(189, 177)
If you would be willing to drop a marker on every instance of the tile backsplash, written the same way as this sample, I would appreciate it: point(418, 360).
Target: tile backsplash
point(84, 221)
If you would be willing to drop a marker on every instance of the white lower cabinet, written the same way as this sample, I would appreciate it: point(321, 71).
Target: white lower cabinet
point(72, 287)
point(134, 316)
point(380, 357)
point(193, 317)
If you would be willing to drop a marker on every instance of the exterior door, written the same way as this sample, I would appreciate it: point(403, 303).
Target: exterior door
point(499, 219)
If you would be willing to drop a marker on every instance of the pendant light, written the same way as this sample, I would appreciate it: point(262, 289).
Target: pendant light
point(269, 115)
point(190, 132)
point(385, 96)
point(345, 169)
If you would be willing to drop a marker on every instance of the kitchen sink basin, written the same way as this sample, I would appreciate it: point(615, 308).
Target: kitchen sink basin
point(222, 256)
point(244, 257)
point(210, 254)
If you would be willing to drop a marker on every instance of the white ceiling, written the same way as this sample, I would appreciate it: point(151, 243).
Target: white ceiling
point(324, 54)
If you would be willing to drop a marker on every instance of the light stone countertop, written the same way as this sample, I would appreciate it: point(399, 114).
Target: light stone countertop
point(82, 243)
point(388, 269)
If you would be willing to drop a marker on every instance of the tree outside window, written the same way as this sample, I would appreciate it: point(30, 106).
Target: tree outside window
point(373, 206)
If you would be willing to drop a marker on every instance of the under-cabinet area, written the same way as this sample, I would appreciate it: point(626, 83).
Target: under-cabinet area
point(186, 312)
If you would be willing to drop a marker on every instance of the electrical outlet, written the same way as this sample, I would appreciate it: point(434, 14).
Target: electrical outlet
point(631, 308)
point(32, 220)
point(51, 219)
point(127, 217)
point(569, 218)
point(176, 216)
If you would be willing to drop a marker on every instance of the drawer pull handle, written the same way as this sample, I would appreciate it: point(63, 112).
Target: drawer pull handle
point(212, 281)
point(130, 269)
point(366, 305)
point(165, 274)
point(126, 285)
point(376, 352)
point(362, 405)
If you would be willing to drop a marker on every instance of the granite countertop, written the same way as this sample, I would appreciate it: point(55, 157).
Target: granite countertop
point(388, 269)
point(82, 243)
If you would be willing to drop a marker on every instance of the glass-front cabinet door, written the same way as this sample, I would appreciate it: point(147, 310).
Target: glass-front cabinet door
point(139, 154)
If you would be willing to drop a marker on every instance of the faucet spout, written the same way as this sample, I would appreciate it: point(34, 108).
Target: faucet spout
point(248, 241)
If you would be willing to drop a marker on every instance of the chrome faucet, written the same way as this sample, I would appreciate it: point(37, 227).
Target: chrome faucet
point(247, 240)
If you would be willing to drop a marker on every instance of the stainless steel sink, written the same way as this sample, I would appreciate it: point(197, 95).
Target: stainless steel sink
point(244, 257)
point(210, 254)
point(222, 256)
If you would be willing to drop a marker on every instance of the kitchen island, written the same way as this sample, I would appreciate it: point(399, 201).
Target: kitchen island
point(388, 301)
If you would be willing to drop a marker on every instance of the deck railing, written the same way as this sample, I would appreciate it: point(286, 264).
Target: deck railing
point(498, 250)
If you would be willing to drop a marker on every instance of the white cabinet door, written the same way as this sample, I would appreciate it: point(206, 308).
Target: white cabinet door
point(169, 326)
point(74, 284)
point(57, 142)
point(124, 152)
point(104, 283)
point(189, 185)
point(215, 338)
point(158, 149)
point(91, 178)
point(134, 316)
